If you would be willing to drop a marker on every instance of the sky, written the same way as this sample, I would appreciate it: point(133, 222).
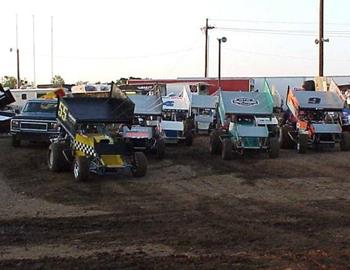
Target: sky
point(108, 39)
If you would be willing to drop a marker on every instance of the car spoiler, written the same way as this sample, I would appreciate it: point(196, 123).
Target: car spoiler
point(6, 97)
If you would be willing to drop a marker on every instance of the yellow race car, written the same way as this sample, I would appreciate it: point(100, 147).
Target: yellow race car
point(88, 142)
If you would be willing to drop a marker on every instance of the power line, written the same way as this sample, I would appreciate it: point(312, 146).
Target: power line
point(124, 57)
point(275, 22)
point(271, 54)
point(286, 56)
point(341, 34)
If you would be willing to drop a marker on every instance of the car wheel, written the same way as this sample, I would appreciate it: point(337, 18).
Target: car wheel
point(81, 169)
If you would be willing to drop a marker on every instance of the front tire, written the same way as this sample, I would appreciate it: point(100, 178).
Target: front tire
point(139, 168)
point(302, 143)
point(274, 148)
point(188, 138)
point(160, 148)
point(215, 143)
point(55, 158)
point(226, 153)
point(345, 141)
point(284, 140)
point(81, 169)
point(15, 141)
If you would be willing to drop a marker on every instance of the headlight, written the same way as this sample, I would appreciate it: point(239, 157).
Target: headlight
point(15, 124)
point(52, 125)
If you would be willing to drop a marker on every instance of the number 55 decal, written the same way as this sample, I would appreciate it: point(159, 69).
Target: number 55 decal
point(62, 112)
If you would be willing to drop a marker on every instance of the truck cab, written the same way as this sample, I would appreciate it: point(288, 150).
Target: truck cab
point(36, 122)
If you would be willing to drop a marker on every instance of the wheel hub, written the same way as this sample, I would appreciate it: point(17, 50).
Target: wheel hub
point(51, 159)
point(76, 170)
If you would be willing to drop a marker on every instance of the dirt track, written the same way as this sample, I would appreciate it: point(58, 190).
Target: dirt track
point(192, 211)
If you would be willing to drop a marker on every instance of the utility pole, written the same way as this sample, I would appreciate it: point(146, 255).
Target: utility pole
point(223, 39)
point(219, 65)
point(206, 50)
point(17, 52)
point(34, 70)
point(321, 39)
point(51, 47)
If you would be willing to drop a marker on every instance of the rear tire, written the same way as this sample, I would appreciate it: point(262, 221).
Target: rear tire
point(215, 143)
point(55, 158)
point(345, 141)
point(139, 168)
point(189, 124)
point(15, 141)
point(284, 140)
point(274, 148)
point(226, 152)
point(302, 143)
point(160, 148)
point(188, 138)
point(81, 169)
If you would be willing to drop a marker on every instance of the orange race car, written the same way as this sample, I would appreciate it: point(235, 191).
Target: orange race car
point(313, 119)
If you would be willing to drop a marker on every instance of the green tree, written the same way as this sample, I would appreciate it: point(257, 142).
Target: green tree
point(9, 81)
point(81, 82)
point(125, 80)
point(57, 81)
point(121, 81)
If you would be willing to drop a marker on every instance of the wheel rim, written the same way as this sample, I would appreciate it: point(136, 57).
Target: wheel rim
point(134, 165)
point(50, 158)
point(280, 136)
point(76, 170)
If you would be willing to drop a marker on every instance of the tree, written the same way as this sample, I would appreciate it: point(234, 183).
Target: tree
point(57, 81)
point(81, 82)
point(9, 81)
point(121, 81)
point(125, 80)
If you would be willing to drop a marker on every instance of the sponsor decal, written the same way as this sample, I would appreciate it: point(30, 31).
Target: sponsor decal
point(244, 101)
point(169, 103)
point(71, 119)
point(136, 134)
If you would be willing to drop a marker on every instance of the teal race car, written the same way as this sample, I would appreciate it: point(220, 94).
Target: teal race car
point(246, 122)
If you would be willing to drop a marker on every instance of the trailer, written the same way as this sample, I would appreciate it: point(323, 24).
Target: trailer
point(208, 85)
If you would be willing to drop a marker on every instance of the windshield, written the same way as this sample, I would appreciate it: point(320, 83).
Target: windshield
point(40, 107)
point(319, 116)
point(206, 111)
point(174, 116)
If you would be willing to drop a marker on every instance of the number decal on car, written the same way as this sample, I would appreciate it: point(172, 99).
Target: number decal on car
point(62, 112)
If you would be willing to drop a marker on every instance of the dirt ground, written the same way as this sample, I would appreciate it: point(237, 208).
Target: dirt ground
point(191, 211)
